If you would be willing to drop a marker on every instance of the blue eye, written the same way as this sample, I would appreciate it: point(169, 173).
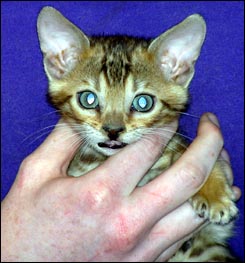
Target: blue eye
point(88, 100)
point(143, 103)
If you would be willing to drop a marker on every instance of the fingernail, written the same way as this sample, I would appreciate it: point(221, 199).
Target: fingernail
point(213, 119)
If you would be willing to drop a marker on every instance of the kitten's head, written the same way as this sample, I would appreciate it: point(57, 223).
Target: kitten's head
point(115, 89)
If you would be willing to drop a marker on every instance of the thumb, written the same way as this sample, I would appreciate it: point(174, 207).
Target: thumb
point(50, 160)
point(58, 148)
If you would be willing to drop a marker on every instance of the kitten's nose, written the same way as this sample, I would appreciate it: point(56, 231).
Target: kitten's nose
point(113, 131)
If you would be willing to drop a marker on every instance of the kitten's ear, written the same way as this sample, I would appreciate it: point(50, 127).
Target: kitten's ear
point(61, 42)
point(177, 49)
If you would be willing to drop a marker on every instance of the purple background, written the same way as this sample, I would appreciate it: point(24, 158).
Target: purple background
point(217, 86)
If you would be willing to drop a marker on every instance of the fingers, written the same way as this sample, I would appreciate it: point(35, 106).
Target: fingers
point(224, 156)
point(124, 170)
point(169, 253)
point(185, 177)
point(168, 232)
point(237, 192)
point(58, 149)
point(225, 161)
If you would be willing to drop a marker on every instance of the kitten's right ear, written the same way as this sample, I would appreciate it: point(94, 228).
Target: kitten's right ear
point(61, 42)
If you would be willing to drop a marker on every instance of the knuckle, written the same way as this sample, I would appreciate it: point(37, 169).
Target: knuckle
point(27, 162)
point(25, 173)
point(122, 234)
point(28, 165)
point(31, 170)
point(151, 148)
point(98, 197)
point(191, 175)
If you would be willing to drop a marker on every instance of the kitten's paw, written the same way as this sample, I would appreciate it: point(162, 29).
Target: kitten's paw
point(216, 211)
point(200, 206)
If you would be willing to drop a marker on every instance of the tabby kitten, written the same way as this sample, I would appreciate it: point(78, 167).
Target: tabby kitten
point(115, 89)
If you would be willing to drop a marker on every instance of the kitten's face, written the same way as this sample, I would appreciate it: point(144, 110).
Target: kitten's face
point(113, 90)
point(114, 97)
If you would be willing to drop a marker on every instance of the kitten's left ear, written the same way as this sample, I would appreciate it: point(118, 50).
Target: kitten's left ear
point(177, 50)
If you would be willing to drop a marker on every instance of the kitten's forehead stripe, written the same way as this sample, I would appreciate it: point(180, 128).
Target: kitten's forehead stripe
point(116, 64)
point(116, 61)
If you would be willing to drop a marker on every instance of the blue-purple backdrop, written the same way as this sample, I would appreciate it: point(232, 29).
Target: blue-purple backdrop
point(217, 86)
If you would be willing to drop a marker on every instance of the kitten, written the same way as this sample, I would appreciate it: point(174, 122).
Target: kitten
point(115, 89)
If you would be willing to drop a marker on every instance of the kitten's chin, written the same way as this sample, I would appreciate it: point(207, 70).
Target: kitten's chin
point(108, 151)
point(110, 148)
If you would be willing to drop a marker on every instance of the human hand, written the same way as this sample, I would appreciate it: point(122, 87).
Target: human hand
point(102, 216)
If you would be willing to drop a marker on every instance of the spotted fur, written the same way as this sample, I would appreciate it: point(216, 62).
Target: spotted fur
point(115, 70)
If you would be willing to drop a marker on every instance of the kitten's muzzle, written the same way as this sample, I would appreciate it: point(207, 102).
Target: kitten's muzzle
point(113, 131)
point(112, 144)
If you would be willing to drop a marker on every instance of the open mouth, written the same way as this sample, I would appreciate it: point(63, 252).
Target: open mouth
point(112, 144)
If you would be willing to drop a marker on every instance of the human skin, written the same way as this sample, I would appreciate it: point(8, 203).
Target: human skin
point(102, 216)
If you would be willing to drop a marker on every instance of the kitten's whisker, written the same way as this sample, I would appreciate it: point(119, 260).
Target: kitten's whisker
point(70, 136)
point(61, 125)
point(48, 114)
point(48, 127)
point(146, 133)
point(161, 130)
point(172, 139)
point(42, 117)
point(85, 144)
point(180, 134)
point(165, 145)
point(43, 134)
point(188, 114)
point(76, 143)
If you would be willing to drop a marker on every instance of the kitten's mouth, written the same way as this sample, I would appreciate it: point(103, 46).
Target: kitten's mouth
point(112, 144)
